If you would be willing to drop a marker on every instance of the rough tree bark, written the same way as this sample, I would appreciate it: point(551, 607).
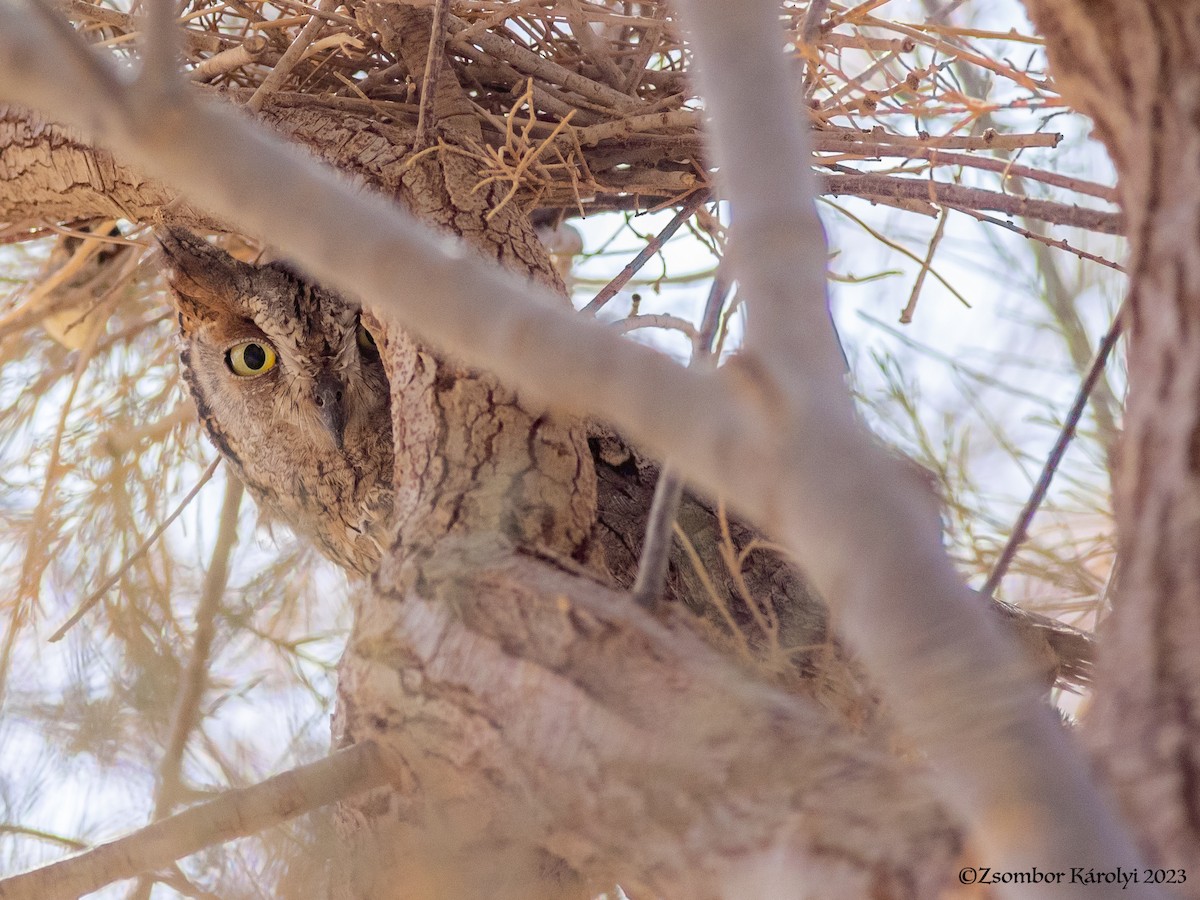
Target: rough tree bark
point(496, 521)
point(1134, 67)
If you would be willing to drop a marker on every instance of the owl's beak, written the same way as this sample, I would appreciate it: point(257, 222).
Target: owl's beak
point(330, 400)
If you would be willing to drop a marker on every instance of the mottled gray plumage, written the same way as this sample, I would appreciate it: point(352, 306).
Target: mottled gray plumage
point(311, 438)
point(310, 435)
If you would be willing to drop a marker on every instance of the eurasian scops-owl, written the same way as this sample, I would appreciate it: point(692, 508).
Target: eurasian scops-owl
point(291, 389)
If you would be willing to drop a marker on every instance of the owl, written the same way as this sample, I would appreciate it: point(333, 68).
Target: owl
point(290, 387)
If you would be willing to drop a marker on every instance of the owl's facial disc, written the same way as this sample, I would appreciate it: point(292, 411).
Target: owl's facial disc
point(330, 400)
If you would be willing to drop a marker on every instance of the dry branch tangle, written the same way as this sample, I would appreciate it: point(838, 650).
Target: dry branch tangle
point(1134, 68)
point(47, 172)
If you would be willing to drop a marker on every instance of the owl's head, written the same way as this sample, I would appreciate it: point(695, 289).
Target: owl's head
point(289, 384)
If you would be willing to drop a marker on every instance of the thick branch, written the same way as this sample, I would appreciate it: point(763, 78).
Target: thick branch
point(1005, 765)
point(583, 724)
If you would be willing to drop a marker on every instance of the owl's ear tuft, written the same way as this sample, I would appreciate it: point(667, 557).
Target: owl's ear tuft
point(202, 277)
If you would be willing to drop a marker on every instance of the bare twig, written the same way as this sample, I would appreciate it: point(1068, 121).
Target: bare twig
point(295, 51)
point(906, 314)
point(668, 492)
point(836, 139)
point(94, 598)
point(647, 45)
point(1040, 238)
point(655, 558)
point(592, 46)
point(529, 63)
point(433, 69)
point(1066, 433)
point(195, 675)
point(943, 193)
point(244, 54)
point(655, 244)
point(1005, 167)
point(234, 814)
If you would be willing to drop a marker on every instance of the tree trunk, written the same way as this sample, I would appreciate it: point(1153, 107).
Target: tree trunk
point(479, 643)
point(1134, 67)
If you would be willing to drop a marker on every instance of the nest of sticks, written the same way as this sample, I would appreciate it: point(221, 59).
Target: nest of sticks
point(588, 106)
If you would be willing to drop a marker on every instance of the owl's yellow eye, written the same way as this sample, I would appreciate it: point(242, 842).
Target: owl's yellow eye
point(366, 343)
point(251, 358)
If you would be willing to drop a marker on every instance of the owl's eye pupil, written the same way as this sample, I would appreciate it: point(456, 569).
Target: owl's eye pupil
point(250, 358)
point(255, 356)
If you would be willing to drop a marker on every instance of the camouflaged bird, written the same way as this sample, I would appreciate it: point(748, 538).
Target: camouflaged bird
point(291, 390)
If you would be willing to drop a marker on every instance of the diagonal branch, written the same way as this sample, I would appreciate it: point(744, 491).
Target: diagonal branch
point(235, 814)
point(95, 596)
point(294, 53)
point(654, 245)
point(1065, 435)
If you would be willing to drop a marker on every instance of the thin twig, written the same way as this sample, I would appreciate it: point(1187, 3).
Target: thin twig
point(655, 244)
point(940, 192)
point(906, 315)
point(95, 596)
point(433, 69)
point(655, 559)
point(195, 676)
point(1006, 167)
point(654, 562)
point(1066, 433)
point(234, 814)
point(1040, 238)
point(309, 33)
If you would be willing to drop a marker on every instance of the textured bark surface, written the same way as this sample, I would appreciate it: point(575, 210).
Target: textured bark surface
point(1134, 67)
point(535, 720)
point(489, 632)
point(47, 172)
